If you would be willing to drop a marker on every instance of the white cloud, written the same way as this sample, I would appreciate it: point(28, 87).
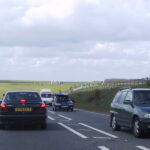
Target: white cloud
point(51, 8)
point(74, 39)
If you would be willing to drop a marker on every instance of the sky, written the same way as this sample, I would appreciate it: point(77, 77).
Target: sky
point(74, 40)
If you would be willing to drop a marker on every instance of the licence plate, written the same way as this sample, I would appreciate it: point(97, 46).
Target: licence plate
point(64, 106)
point(23, 109)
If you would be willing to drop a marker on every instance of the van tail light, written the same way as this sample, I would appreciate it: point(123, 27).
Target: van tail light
point(3, 106)
point(43, 105)
point(23, 101)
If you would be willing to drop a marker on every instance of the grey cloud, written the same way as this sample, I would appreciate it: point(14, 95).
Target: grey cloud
point(98, 41)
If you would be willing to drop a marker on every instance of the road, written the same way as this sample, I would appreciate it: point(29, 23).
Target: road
point(78, 130)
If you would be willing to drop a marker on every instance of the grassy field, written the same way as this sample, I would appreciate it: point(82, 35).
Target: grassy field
point(36, 86)
point(96, 98)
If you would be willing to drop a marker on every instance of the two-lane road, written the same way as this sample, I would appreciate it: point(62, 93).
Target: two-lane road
point(78, 130)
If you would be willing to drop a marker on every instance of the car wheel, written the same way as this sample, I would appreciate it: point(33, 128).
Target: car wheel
point(1, 126)
point(114, 124)
point(43, 126)
point(6, 127)
point(137, 130)
point(72, 109)
point(54, 108)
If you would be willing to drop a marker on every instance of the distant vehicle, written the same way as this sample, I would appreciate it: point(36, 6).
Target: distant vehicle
point(62, 101)
point(22, 108)
point(46, 96)
point(131, 108)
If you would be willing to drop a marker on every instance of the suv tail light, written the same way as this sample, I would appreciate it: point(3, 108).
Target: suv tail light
point(43, 105)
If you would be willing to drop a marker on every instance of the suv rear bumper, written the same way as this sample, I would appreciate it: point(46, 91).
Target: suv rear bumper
point(23, 119)
point(64, 107)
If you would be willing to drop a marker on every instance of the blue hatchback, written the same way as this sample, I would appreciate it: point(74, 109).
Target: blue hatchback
point(62, 101)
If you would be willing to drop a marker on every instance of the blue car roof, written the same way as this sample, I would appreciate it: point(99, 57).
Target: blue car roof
point(61, 94)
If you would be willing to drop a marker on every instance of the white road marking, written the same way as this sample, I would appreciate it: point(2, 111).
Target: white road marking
point(64, 120)
point(84, 130)
point(51, 118)
point(65, 117)
point(96, 113)
point(51, 112)
point(107, 138)
point(103, 148)
point(98, 130)
point(73, 131)
point(142, 147)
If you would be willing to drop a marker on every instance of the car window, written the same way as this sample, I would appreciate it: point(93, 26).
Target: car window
point(62, 98)
point(116, 98)
point(142, 97)
point(16, 96)
point(46, 95)
point(129, 96)
point(122, 97)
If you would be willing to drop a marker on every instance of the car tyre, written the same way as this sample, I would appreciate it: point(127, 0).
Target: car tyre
point(1, 126)
point(114, 124)
point(43, 126)
point(137, 129)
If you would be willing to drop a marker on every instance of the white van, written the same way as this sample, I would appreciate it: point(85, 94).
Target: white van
point(47, 96)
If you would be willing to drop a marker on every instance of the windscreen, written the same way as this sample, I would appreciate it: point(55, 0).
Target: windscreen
point(142, 97)
point(15, 97)
point(46, 95)
point(62, 98)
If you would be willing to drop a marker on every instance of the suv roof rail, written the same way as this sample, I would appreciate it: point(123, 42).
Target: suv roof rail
point(127, 87)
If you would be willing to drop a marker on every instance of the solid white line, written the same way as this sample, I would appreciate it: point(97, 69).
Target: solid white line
point(96, 113)
point(98, 130)
point(65, 117)
point(73, 131)
point(51, 118)
point(102, 138)
point(103, 148)
point(51, 112)
point(142, 147)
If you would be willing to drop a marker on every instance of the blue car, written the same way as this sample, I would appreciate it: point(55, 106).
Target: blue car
point(62, 101)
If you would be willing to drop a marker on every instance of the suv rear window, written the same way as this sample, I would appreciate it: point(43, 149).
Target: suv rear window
point(14, 97)
point(62, 98)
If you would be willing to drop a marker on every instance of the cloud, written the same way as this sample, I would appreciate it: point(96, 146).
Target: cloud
point(74, 39)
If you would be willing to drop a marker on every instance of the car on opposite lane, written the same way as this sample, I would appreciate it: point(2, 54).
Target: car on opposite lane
point(131, 108)
point(23, 107)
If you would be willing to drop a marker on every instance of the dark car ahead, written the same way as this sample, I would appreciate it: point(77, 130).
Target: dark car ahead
point(62, 101)
point(22, 108)
point(131, 108)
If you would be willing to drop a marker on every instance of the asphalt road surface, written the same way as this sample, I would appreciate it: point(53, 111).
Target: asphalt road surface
point(78, 130)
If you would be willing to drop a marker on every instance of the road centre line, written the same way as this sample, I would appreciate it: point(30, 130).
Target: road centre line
point(98, 130)
point(51, 112)
point(65, 117)
point(73, 131)
point(51, 118)
point(142, 147)
point(102, 114)
point(107, 138)
point(103, 148)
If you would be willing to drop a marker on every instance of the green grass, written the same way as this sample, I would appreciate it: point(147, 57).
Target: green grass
point(96, 98)
point(36, 86)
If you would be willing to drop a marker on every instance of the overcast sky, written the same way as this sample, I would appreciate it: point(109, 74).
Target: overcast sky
point(74, 40)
